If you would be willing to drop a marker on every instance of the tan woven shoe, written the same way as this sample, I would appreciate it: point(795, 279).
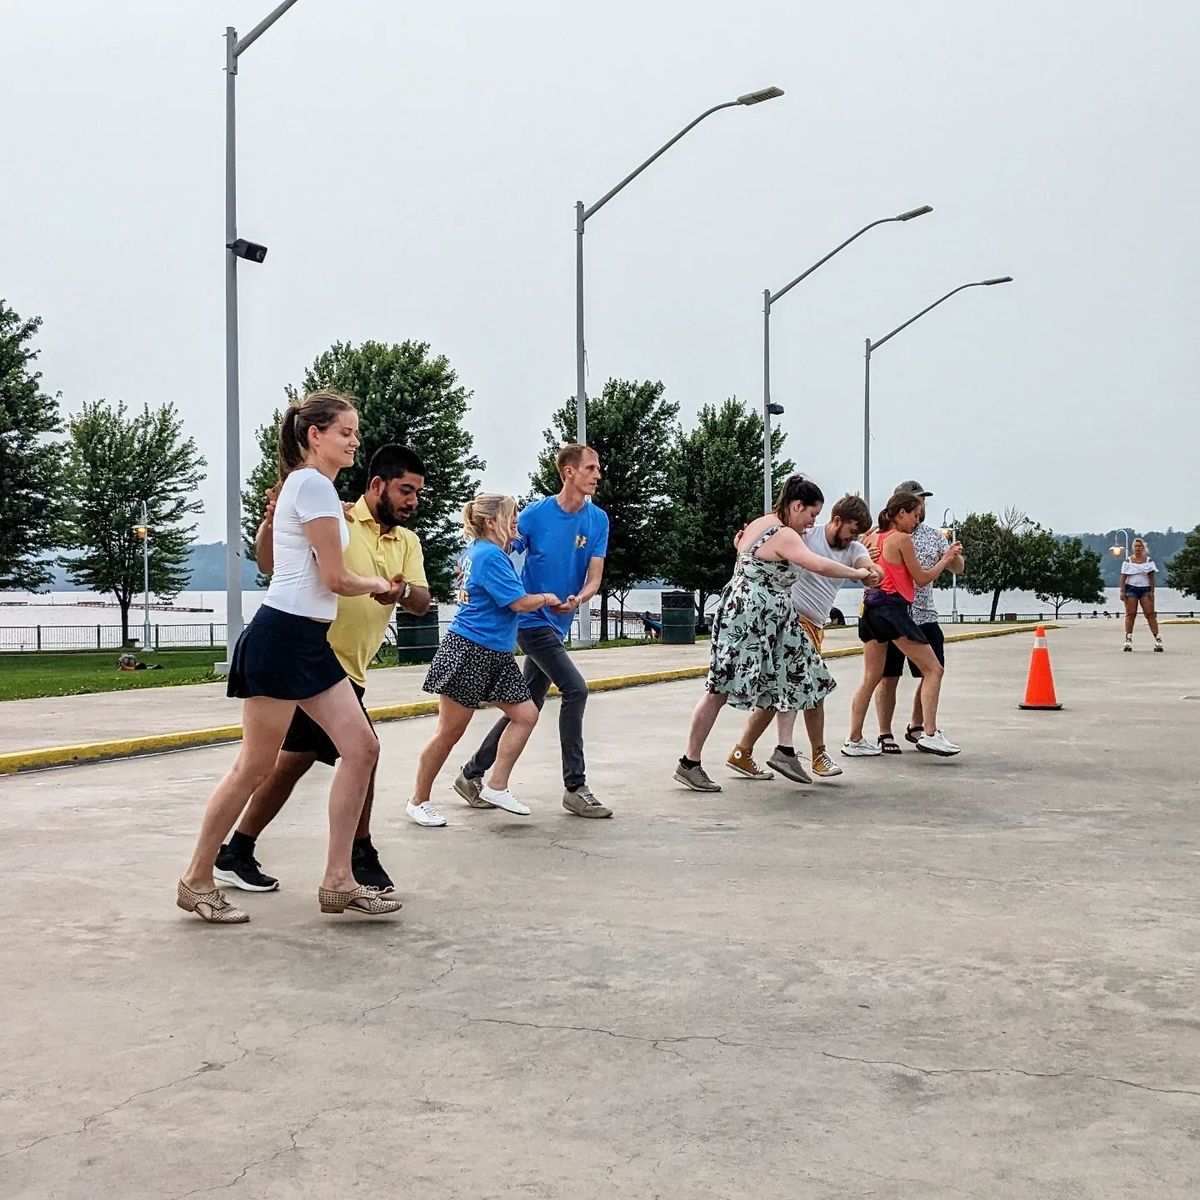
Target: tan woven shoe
point(363, 899)
point(209, 906)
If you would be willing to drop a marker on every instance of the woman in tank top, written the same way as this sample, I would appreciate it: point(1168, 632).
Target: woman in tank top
point(887, 617)
point(283, 660)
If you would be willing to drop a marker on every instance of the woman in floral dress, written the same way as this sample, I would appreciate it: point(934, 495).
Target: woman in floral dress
point(761, 656)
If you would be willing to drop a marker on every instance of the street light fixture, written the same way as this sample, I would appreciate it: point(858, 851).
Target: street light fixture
point(769, 298)
point(949, 521)
point(235, 248)
point(1116, 549)
point(143, 531)
point(582, 213)
point(872, 346)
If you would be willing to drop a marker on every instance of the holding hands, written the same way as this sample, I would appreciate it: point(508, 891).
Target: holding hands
point(392, 595)
point(565, 607)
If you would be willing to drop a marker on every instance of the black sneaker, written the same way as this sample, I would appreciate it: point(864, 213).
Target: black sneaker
point(364, 862)
point(241, 871)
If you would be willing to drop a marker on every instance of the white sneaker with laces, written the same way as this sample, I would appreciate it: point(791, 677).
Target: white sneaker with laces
point(860, 749)
point(505, 800)
point(938, 743)
point(424, 814)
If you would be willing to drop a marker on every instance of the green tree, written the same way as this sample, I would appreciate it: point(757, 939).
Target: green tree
point(631, 427)
point(1184, 572)
point(1005, 553)
point(404, 395)
point(30, 506)
point(1071, 573)
point(715, 487)
point(115, 461)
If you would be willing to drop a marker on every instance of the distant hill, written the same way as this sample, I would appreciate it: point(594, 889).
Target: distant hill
point(206, 561)
point(1163, 548)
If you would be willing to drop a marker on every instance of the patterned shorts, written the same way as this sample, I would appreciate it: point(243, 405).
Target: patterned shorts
point(472, 675)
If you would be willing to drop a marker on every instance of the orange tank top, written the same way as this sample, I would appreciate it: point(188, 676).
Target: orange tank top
point(897, 579)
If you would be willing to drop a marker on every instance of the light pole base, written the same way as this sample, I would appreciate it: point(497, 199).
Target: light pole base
point(221, 668)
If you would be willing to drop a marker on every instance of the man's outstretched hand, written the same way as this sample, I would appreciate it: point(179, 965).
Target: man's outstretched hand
point(392, 595)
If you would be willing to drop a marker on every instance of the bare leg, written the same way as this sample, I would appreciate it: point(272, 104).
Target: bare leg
point(521, 720)
point(885, 702)
point(453, 720)
point(274, 792)
point(874, 658)
point(918, 711)
point(364, 820)
point(1147, 604)
point(704, 717)
point(814, 726)
point(785, 726)
point(931, 678)
point(757, 721)
point(339, 713)
point(1131, 608)
point(264, 722)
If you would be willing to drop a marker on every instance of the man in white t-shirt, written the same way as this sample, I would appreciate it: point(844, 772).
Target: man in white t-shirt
point(812, 598)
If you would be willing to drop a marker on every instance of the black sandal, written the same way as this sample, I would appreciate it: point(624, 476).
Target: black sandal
point(914, 733)
point(888, 744)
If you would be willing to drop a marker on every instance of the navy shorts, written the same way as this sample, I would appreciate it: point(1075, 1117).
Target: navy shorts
point(283, 656)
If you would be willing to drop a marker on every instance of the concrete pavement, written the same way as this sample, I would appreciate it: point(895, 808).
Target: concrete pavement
point(931, 979)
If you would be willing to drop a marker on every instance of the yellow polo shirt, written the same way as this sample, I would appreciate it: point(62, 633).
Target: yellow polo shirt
point(362, 622)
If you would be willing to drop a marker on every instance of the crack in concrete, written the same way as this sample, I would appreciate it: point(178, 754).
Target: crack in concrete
point(655, 1043)
point(935, 1071)
point(578, 850)
point(204, 1069)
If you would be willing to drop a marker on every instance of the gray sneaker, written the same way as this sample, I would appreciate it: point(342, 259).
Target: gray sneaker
point(583, 803)
point(469, 790)
point(696, 778)
point(789, 766)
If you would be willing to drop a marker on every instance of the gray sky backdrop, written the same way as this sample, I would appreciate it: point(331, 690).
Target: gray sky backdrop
point(413, 169)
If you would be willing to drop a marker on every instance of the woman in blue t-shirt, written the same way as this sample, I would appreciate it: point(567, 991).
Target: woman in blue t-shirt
point(474, 665)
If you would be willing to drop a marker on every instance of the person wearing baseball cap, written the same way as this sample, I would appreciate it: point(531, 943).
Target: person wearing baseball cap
point(930, 545)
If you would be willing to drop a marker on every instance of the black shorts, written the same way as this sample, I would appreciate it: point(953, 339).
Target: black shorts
point(305, 736)
point(893, 668)
point(886, 621)
point(283, 656)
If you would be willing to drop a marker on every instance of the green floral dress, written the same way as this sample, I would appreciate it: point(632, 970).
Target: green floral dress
point(761, 656)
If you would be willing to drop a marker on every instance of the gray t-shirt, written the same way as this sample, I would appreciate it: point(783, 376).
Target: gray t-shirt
point(813, 595)
point(930, 546)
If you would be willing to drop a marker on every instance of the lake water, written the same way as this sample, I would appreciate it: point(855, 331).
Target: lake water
point(72, 620)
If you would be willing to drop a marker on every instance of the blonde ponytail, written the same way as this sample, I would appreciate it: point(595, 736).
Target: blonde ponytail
point(487, 506)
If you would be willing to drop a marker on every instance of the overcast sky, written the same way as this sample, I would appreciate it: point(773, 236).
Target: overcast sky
point(413, 169)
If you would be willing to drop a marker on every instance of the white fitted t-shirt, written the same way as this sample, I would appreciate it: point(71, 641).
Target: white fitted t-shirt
point(813, 595)
point(1137, 574)
point(296, 585)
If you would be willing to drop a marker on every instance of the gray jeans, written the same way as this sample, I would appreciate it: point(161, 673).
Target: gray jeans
point(546, 662)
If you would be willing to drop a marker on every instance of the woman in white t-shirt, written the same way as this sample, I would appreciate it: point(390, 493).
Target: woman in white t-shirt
point(283, 660)
point(1138, 573)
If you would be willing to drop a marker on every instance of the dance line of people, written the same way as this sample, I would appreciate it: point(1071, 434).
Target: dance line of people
point(338, 572)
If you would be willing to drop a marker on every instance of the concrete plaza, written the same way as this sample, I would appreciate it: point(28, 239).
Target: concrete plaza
point(963, 978)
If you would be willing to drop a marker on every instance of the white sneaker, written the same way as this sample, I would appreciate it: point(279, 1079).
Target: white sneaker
point(860, 749)
point(424, 814)
point(505, 800)
point(1128, 644)
point(938, 743)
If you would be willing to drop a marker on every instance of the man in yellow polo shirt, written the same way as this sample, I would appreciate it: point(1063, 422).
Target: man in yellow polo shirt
point(378, 546)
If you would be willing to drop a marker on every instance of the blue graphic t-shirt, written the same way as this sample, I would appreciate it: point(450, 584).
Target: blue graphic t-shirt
point(558, 548)
point(487, 585)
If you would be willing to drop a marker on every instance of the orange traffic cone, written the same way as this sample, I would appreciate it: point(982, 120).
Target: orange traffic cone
point(1039, 691)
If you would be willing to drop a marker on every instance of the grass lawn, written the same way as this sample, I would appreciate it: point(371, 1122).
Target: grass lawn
point(24, 676)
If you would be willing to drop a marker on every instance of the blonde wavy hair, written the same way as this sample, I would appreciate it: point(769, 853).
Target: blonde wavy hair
point(487, 506)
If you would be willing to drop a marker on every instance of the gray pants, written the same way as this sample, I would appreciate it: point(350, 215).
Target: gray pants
point(546, 662)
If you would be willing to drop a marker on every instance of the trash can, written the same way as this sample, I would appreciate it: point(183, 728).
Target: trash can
point(678, 619)
point(417, 637)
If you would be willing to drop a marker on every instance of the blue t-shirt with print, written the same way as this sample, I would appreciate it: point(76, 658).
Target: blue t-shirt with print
point(559, 546)
point(487, 585)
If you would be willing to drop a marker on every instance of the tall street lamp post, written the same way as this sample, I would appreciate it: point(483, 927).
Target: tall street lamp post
point(769, 298)
point(582, 213)
point(873, 346)
point(143, 532)
point(235, 248)
point(949, 521)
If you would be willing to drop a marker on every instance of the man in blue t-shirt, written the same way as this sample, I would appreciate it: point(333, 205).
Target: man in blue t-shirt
point(565, 539)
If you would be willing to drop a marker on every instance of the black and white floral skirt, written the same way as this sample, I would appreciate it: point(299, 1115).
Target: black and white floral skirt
point(471, 674)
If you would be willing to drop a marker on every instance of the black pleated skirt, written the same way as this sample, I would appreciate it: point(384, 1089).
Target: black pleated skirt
point(283, 656)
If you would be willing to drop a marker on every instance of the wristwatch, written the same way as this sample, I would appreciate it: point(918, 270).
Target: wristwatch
point(404, 595)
